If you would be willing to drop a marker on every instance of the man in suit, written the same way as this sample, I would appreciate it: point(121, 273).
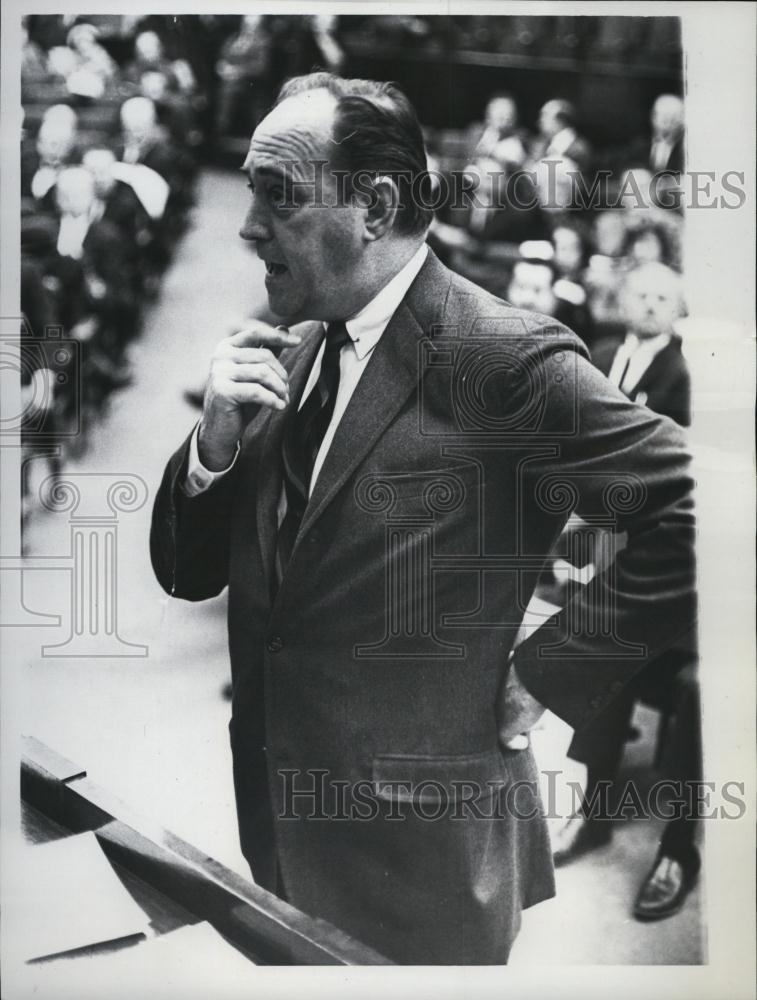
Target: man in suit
point(500, 124)
point(661, 152)
point(379, 499)
point(558, 135)
point(647, 365)
point(535, 287)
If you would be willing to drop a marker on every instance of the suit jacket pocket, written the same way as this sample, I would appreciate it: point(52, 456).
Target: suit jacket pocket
point(436, 780)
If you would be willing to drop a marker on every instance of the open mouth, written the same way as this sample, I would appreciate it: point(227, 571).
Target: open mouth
point(272, 268)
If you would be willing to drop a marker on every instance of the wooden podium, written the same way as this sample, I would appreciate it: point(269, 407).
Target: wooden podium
point(175, 884)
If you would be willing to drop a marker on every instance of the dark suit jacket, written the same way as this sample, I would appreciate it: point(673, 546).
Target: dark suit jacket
point(579, 151)
point(639, 152)
point(473, 432)
point(665, 386)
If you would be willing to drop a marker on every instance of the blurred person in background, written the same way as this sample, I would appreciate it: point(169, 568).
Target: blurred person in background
point(46, 388)
point(149, 57)
point(558, 136)
point(662, 151)
point(83, 40)
point(501, 122)
point(604, 272)
point(647, 364)
point(244, 75)
point(571, 249)
point(653, 237)
point(535, 285)
point(498, 212)
point(55, 147)
point(34, 67)
point(117, 203)
point(86, 67)
point(96, 284)
point(143, 140)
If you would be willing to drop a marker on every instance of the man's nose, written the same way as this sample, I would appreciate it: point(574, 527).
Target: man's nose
point(254, 226)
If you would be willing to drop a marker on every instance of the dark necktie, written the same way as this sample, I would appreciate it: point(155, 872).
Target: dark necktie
point(302, 440)
point(623, 374)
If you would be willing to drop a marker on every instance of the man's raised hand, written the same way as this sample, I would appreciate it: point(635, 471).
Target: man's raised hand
point(245, 374)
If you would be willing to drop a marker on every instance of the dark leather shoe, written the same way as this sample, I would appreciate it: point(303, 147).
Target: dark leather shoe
point(665, 888)
point(578, 836)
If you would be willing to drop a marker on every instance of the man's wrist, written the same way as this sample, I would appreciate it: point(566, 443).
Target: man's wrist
point(213, 458)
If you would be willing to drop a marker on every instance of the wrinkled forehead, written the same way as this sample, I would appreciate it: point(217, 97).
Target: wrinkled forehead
point(295, 136)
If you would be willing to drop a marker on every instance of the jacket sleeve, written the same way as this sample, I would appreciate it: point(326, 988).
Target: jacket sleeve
point(618, 462)
point(189, 536)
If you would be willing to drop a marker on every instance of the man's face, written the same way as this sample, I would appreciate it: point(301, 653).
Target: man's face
point(568, 250)
point(55, 141)
point(549, 120)
point(100, 163)
point(312, 247)
point(502, 114)
point(149, 47)
point(531, 288)
point(667, 116)
point(652, 300)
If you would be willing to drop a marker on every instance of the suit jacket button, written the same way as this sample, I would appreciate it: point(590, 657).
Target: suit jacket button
point(616, 686)
point(275, 643)
point(596, 702)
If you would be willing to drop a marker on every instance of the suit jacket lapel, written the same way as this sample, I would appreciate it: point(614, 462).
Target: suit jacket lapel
point(658, 366)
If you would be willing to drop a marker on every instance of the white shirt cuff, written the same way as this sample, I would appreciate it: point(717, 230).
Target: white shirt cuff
point(198, 477)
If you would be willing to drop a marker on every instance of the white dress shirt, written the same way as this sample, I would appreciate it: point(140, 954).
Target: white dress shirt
point(365, 329)
point(659, 153)
point(561, 142)
point(71, 234)
point(632, 359)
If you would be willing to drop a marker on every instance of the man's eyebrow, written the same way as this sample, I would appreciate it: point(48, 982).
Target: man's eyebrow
point(274, 173)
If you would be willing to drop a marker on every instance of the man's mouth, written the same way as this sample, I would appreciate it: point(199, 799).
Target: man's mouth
point(272, 268)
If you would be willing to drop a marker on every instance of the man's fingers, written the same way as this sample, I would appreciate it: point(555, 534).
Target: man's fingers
point(256, 355)
point(264, 374)
point(262, 335)
point(254, 392)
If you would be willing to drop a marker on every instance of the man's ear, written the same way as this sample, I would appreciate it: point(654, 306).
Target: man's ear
point(381, 209)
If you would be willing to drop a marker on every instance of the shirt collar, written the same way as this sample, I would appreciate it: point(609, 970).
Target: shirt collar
point(562, 140)
point(365, 327)
point(650, 345)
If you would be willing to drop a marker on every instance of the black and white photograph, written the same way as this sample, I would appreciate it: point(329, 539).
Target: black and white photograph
point(377, 460)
